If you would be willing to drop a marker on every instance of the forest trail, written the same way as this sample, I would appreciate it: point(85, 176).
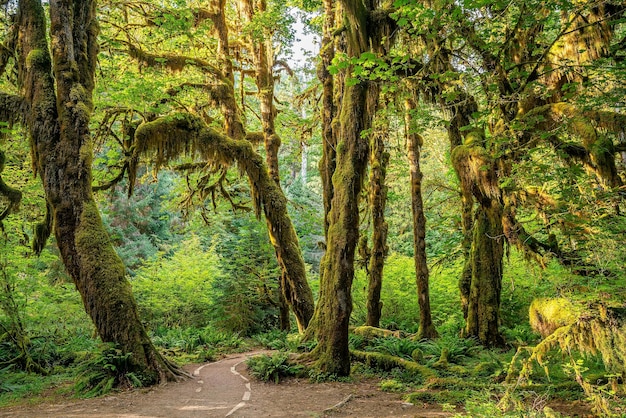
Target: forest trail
point(224, 389)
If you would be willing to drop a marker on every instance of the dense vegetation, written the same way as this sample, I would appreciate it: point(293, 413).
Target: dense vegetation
point(202, 188)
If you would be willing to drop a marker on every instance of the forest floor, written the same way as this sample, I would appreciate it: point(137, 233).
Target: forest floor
point(224, 389)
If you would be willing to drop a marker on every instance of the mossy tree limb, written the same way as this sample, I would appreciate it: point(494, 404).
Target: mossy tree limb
point(168, 137)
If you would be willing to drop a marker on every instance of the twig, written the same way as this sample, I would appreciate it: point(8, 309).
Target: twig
point(340, 404)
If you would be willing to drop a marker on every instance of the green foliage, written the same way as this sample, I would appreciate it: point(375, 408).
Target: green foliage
point(246, 300)
point(141, 225)
point(399, 296)
point(398, 347)
point(5, 383)
point(455, 348)
point(392, 385)
point(108, 368)
point(273, 367)
point(283, 341)
point(177, 289)
point(204, 343)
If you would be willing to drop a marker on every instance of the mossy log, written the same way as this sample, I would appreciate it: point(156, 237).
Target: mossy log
point(386, 362)
point(370, 333)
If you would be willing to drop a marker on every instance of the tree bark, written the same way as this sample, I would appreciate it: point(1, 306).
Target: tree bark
point(58, 122)
point(414, 144)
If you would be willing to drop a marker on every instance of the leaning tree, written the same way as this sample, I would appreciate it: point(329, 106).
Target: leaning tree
point(52, 97)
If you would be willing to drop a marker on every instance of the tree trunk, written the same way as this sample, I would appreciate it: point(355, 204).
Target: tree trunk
point(358, 105)
point(378, 201)
point(481, 283)
point(58, 122)
point(483, 309)
point(414, 144)
point(328, 161)
point(263, 58)
point(335, 301)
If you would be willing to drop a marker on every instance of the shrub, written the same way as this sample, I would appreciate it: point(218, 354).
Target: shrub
point(274, 367)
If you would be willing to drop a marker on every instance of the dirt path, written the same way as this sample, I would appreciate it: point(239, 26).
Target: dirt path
point(224, 389)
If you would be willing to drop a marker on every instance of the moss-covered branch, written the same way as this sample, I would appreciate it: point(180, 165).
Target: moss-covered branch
point(172, 62)
point(596, 151)
point(167, 138)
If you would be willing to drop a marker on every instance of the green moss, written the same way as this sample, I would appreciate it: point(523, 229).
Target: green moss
point(38, 59)
point(94, 247)
point(485, 369)
point(387, 363)
point(439, 397)
point(548, 314)
point(418, 356)
point(369, 332)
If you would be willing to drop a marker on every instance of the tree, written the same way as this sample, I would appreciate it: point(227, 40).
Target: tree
point(377, 201)
point(363, 30)
point(414, 143)
point(55, 88)
point(219, 88)
point(507, 79)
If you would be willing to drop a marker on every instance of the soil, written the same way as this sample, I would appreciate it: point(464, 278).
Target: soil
point(224, 389)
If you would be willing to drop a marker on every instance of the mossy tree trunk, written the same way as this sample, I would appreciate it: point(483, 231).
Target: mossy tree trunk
point(414, 143)
point(359, 103)
point(481, 283)
point(294, 278)
point(378, 202)
point(328, 161)
point(58, 122)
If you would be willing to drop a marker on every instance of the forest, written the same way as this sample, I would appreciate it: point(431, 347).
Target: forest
point(431, 193)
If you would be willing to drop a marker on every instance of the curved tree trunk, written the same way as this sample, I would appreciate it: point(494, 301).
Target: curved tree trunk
point(58, 121)
point(414, 144)
point(263, 58)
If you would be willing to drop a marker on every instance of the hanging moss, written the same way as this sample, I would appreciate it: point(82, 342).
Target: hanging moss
point(546, 315)
point(599, 330)
point(180, 134)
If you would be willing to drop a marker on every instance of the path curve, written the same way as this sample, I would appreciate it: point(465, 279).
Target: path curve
point(223, 389)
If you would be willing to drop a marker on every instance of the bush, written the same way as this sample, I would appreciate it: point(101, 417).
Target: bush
point(106, 369)
point(274, 367)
